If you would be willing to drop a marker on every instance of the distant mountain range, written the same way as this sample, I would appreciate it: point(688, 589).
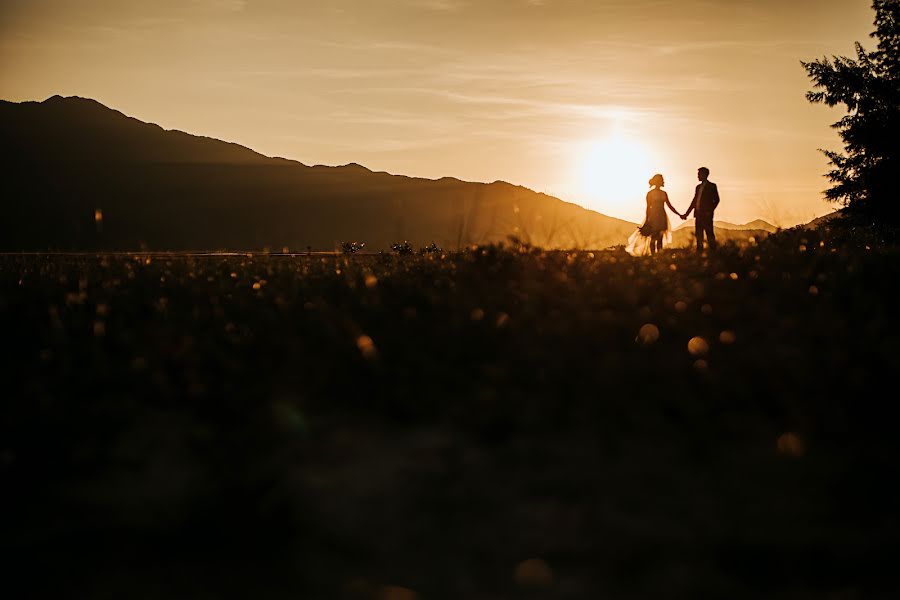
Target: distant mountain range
point(683, 235)
point(757, 225)
point(79, 175)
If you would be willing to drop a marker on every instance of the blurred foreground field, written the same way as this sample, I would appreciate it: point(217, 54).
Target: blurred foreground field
point(498, 423)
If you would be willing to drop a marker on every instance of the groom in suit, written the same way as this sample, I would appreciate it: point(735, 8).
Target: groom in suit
point(706, 199)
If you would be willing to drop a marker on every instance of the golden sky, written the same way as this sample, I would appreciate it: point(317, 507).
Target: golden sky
point(582, 99)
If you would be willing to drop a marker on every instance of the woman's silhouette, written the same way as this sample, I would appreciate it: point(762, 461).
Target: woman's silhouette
point(648, 239)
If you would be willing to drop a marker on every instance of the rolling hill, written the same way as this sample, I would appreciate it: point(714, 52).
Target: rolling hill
point(756, 225)
point(822, 221)
point(78, 175)
point(683, 235)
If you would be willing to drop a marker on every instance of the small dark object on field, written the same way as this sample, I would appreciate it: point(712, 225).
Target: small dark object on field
point(403, 249)
point(518, 243)
point(352, 247)
point(432, 248)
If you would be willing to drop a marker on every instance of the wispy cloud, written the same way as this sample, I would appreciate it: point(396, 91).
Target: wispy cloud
point(522, 78)
point(221, 5)
point(438, 5)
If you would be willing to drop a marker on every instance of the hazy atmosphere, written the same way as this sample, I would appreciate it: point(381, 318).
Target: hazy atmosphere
point(582, 100)
point(449, 299)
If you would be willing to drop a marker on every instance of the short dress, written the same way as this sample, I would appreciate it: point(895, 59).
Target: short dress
point(657, 222)
point(657, 219)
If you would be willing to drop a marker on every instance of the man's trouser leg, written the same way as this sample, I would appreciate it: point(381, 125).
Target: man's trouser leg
point(698, 233)
point(710, 234)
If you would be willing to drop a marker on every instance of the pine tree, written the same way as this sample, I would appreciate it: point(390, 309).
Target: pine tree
point(868, 87)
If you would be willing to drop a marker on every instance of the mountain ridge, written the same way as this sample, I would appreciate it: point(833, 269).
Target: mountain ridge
point(81, 113)
point(69, 159)
point(754, 225)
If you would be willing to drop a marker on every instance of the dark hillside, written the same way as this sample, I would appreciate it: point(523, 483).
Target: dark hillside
point(66, 158)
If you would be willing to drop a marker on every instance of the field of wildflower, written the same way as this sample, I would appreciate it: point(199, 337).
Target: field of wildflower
point(503, 422)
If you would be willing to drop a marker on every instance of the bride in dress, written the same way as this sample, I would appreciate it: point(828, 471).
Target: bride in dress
point(649, 237)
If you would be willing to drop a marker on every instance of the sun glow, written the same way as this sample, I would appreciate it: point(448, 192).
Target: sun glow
point(612, 175)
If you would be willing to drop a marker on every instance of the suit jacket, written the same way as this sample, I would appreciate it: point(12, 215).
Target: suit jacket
point(705, 205)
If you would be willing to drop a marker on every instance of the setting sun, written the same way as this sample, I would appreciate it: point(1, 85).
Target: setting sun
point(426, 299)
point(612, 174)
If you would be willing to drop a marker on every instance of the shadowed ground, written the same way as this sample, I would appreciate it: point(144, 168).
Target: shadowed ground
point(499, 423)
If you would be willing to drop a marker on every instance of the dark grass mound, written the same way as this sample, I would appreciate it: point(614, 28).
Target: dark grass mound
point(490, 424)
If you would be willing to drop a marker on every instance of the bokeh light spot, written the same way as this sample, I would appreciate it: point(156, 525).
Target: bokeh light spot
point(366, 346)
point(698, 346)
point(648, 334)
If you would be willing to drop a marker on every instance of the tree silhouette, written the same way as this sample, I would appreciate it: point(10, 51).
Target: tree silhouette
point(869, 88)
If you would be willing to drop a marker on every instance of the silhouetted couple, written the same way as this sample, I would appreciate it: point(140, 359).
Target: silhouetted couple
point(649, 237)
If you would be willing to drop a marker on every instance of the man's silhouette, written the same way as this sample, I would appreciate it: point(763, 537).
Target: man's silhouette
point(706, 199)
